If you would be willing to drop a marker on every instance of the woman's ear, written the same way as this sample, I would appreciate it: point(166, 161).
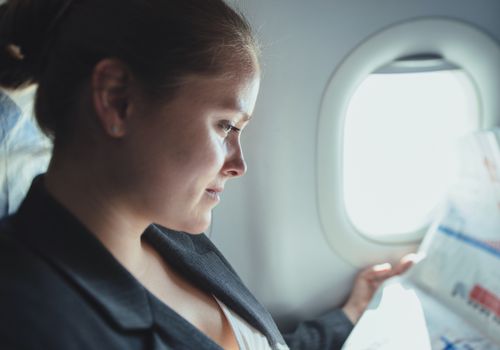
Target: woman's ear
point(111, 94)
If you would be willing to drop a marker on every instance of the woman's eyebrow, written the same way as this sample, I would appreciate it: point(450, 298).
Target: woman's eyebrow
point(246, 117)
point(235, 107)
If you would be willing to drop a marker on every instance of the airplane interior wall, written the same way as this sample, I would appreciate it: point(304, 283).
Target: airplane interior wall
point(268, 224)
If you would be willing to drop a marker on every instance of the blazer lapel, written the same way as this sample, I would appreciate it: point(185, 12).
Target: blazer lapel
point(196, 258)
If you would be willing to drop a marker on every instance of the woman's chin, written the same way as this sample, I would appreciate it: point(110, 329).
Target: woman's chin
point(199, 229)
point(195, 227)
point(192, 224)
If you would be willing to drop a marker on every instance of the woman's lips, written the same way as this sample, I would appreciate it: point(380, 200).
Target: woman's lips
point(214, 193)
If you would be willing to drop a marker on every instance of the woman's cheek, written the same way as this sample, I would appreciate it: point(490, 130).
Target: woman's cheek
point(219, 156)
point(218, 149)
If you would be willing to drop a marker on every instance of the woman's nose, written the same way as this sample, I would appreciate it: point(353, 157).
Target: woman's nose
point(235, 164)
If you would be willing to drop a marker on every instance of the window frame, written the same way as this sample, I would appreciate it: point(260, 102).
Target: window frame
point(457, 42)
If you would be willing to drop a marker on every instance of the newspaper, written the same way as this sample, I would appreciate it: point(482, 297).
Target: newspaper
point(450, 299)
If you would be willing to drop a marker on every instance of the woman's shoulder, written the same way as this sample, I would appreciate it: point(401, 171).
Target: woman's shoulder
point(41, 308)
point(17, 263)
point(32, 296)
point(25, 277)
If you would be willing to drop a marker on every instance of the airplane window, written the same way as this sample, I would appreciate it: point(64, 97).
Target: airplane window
point(390, 115)
point(401, 128)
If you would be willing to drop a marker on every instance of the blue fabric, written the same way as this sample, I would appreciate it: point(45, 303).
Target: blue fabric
point(9, 114)
point(24, 150)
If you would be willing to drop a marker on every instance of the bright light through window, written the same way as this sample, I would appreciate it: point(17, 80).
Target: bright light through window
point(399, 147)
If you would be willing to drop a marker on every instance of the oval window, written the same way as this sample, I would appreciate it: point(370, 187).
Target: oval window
point(401, 129)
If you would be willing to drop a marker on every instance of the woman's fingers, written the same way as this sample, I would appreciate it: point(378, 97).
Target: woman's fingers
point(380, 272)
point(406, 262)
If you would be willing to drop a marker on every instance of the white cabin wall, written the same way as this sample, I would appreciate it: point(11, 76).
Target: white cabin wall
point(267, 224)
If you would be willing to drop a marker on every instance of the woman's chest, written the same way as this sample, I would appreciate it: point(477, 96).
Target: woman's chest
point(194, 305)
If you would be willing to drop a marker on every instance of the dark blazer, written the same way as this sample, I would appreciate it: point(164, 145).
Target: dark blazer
point(60, 288)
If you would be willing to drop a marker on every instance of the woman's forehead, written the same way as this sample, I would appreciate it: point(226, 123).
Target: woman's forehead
point(228, 92)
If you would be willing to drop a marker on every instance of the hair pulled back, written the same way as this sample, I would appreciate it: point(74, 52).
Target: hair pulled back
point(57, 43)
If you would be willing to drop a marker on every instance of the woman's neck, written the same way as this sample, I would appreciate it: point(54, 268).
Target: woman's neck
point(97, 205)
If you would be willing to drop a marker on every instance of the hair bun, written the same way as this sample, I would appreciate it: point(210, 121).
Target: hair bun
point(26, 29)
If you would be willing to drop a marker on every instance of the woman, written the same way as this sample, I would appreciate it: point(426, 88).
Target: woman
point(145, 101)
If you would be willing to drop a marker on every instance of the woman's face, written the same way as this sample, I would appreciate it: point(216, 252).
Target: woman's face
point(184, 152)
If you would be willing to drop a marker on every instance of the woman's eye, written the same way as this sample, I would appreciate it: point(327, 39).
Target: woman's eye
point(227, 127)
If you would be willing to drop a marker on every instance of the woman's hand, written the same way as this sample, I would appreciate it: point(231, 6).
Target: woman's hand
point(367, 282)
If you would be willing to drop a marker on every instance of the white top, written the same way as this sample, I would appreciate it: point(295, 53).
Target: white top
point(248, 337)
